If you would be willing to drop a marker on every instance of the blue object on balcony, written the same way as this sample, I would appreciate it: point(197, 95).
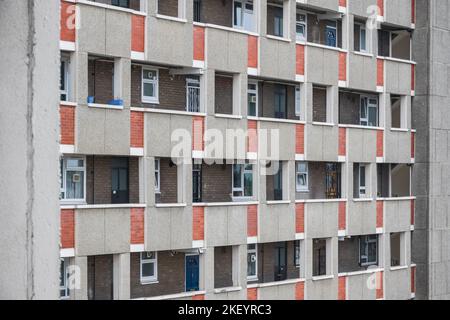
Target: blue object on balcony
point(90, 99)
point(116, 102)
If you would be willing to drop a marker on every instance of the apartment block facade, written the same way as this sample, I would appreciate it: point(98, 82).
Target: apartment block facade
point(332, 80)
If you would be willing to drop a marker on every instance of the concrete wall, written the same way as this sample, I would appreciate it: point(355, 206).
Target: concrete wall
point(29, 132)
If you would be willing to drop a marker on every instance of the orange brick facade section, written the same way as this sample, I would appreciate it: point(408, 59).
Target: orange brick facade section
point(198, 130)
point(342, 216)
point(300, 60)
point(252, 221)
point(342, 66)
point(380, 4)
point(342, 3)
point(413, 77)
point(380, 209)
point(138, 33)
point(379, 284)
point(67, 229)
point(252, 52)
point(300, 139)
point(413, 11)
point(137, 225)
point(137, 129)
point(252, 294)
point(199, 43)
point(413, 209)
point(300, 291)
point(380, 72)
point(199, 297)
point(252, 144)
point(413, 279)
point(67, 123)
point(198, 223)
point(342, 142)
point(380, 144)
point(68, 20)
point(342, 288)
point(300, 218)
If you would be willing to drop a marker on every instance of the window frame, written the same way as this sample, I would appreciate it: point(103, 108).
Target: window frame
point(127, 6)
point(305, 26)
point(368, 240)
point(367, 98)
point(191, 83)
point(242, 188)
point(155, 83)
point(332, 27)
point(142, 261)
point(362, 168)
point(242, 17)
point(297, 254)
point(362, 26)
point(298, 101)
point(63, 181)
point(255, 92)
point(158, 179)
point(306, 173)
point(65, 276)
point(66, 62)
point(255, 252)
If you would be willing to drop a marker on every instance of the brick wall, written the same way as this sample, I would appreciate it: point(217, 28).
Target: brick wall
point(216, 183)
point(136, 129)
point(217, 12)
point(317, 186)
point(100, 78)
point(342, 288)
point(137, 225)
point(100, 277)
point(67, 123)
point(252, 52)
point(252, 221)
point(198, 223)
point(223, 267)
point(300, 60)
point(199, 43)
point(67, 229)
point(168, 7)
point(319, 104)
point(138, 33)
point(171, 276)
point(224, 94)
point(168, 182)
point(300, 218)
point(172, 90)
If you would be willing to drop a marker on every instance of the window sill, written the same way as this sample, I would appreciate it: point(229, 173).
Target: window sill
point(398, 268)
point(364, 54)
point(324, 124)
point(363, 200)
point(68, 103)
point(321, 278)
point(170, 18)
point(227, 116)
point(276, 120)
point(111, 7)
point(355, 126)
point(105, 106)
point(219, 27)
point(146, 283)
point(269, 36)
point(278, 202)
point(228, 289)
point(149, 101)
point(165, 111)
point(170, 205)
point(302, 191)
point(322, 46)
point(399, 130)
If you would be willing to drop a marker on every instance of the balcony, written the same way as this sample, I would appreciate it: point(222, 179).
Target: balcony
point(318, 181)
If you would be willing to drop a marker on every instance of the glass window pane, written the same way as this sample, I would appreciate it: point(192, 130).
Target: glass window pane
point(74, 185)
point(148, 269)
point(237, 14)
point(248, 184)
point(75, 163)
point(237, 171)
point(373, 117)
point(363, 39)
point(149, 90)
point(149, 75)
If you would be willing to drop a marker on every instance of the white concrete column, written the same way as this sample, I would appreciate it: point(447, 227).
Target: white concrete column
point(78, 278)
point(81, 85)
point(121, 276)
point(207, 270)
point(122, 80)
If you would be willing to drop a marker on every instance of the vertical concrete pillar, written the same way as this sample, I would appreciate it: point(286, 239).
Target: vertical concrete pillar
point(209, 80)
point(81, 75)
point(122, 80)
point(240, 81)
point(207, 270)
point(385, 110)
point(308, 92)
point(149, 173)
point(262, 178)
point(121, 276)
point(289, 180)
point(78, 280)
point(262, 10)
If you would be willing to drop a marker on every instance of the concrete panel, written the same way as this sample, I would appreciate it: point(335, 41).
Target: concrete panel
point(277, 292)
point(397, 284)
point(226, 226)
point(322, 289)
point(361, 287)
point(325, 63)
point(397, 215)
point(360, 7)
point(398, 12)
point(397, 147)
point(361, 218)
point(118, 33)
point(362, 145)
point(362, 73)
point(92, 39)
point(286, 143)
point(324, 4)
point(321, 219)
point(398, 77)
point(278, 59)
point(276, 222)
point(324, 146)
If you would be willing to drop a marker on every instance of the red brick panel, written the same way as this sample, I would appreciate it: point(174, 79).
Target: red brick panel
point(137, 225)
point(300, 218)
point(138, 33)
point(199, 297)
point(252, 143)
point(413, 11)
point(67, 229)
point(300, 291)
point(199, 43)
point(67, 124)
point(198, 130)
point(342, 142)
point(342, 3)
point(137, 129)
point(380, 72)
point(413, 279)
point(380, 4)
point(380, 209)
point(413, 77)
point(300, 139)
point(300, 60)
point(380, 144)
point(342, 291)
point(342, 66)
point(68, 20)
point(413, 145)
point(252, 294)
point(198, 223)
point(252, 52)
point(342, 216)
point(379, 284)
point(413, 202)
point(252, 221)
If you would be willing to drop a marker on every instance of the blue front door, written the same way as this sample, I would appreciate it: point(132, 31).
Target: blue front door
point(192, 273)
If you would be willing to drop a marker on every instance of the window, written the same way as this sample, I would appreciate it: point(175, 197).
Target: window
point(242, 180)
point(64, 279)
point(331, 34)
point(320, 113)
point(278, 183)
point(252, 262)
point(384, 43)
point(369, 111)
point(301, 26)
point(278, 23)
point(280, 101)
point(362, 180)
point(197, 183)
point(197, 10)
point(298, 102)
point(368, 250)
point(157, 175)
point(150, 85)
point(319, 257)
point(301, 174)
point(396, 240)
point(64, 80)
point(149, 267)
point(360, 38)
point(297, 253)
point(243, 14)
point(397, 118)
point(72, 179)
point(121, 3)
point(252, 94)
point(193, 94)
